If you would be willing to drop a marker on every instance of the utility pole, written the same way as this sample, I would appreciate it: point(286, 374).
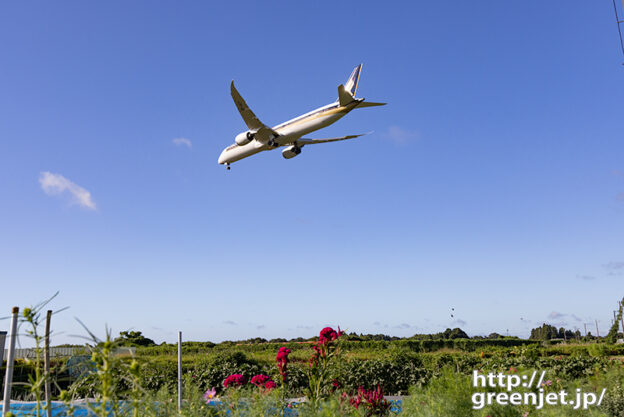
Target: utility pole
point(46, 364)
point(597, 332)
point(621, 306)
point(179, 371)
point(8, 377)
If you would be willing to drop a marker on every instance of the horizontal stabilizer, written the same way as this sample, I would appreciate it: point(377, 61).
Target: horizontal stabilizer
point(308, 141)
point(370, 104)
point(344, 96)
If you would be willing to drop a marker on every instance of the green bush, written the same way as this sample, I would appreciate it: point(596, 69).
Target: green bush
point(395, 374)
point(613, 402)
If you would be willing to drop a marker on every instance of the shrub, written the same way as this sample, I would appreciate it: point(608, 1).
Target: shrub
point(613, 402)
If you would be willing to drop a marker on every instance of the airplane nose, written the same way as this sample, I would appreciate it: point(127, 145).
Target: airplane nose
point(222, 158)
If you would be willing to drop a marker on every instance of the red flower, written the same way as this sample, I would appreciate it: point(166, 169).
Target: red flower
point(270, 385)
point(234, 380)
point(373, 400)
point(335, 385)
point(327, 335)
point(282, 354)
point(259, 380)
point(282, 362)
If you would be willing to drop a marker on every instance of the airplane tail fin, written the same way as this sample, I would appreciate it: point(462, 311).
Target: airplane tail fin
point(352, 83)
point(346, 92)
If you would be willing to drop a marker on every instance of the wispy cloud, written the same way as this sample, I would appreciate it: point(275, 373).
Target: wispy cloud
point(403, 326)
point(614, 268)
point(400, 136)
point(56, 184)
point(563, 319)
point(555, 315)
point(586, 277)
point(260, 327)
point(459, 322)
point(183, 141)
point(230, 323)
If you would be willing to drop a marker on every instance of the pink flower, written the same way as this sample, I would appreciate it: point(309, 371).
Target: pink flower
point(210, 394)
point(282, 354)
point(327, 335)
point(282, 362)
point(270, 385)
point(373, 400)
point(234, 380)
point(259, 380)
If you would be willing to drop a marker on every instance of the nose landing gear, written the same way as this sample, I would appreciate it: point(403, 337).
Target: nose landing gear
point(227, 166)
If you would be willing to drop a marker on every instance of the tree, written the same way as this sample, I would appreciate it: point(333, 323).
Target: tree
point(131, 338)
point(456, 333)
point(546, 332)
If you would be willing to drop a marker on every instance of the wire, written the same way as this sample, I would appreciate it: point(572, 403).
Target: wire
point(617, 19)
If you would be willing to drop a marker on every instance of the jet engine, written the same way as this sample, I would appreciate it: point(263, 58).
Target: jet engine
point(291, 151)
point(244, 138)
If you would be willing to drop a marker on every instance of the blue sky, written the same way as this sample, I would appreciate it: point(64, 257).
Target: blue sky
point(493, 182)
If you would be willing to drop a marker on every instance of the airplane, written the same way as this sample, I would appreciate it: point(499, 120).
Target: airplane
point(260, 137)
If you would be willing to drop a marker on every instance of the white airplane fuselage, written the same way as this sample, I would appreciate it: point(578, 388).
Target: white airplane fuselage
point(289, 131)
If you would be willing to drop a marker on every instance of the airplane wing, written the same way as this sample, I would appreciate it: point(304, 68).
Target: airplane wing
point(263, 132)
point(306, 141)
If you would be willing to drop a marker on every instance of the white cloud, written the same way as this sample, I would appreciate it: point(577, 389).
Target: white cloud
point(55, 184)
point(400, 136)
point(183, 141)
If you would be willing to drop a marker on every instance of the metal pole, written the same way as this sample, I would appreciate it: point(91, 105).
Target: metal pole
point(621, 306)
point(46, 363)
point(597, 332)
point(8, 380)
point(179, 371)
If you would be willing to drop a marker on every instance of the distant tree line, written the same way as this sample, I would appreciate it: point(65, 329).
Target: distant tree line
point(549, 332)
